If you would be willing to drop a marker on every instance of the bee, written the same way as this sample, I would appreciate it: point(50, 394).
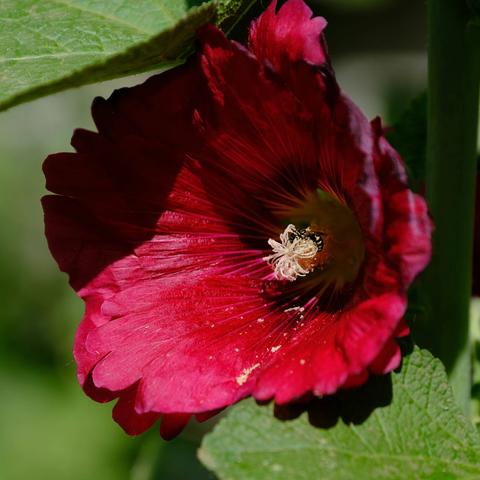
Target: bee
point(308, 234)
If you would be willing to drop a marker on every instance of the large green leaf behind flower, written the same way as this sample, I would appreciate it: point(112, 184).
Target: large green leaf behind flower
point(421, 435)
point(50, 45)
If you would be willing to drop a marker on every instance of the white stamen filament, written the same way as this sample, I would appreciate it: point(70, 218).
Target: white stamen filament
point(288, 253)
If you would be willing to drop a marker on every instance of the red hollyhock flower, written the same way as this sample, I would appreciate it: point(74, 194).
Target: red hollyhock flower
point(236, 227)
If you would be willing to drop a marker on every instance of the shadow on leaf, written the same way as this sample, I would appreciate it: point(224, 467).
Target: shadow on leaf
point(353, 405)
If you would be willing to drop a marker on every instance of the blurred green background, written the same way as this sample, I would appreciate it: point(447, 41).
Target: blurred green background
point(48, 428)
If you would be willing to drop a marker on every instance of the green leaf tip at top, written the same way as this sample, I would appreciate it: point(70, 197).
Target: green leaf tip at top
point(421, 435)
point(229, 12)
point(49, 46)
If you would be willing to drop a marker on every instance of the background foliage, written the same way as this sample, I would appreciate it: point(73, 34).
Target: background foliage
point(378, 50)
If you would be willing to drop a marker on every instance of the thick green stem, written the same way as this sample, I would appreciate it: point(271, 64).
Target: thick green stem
point(451, 167)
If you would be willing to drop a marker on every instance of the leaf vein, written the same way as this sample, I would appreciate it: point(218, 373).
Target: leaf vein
point(53, 55)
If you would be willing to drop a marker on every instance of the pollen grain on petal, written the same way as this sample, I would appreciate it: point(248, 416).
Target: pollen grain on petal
point(243, 377)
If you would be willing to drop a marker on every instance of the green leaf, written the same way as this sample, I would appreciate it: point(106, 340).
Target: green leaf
point(52, 45)
point(420, 435)
point(409, 136)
